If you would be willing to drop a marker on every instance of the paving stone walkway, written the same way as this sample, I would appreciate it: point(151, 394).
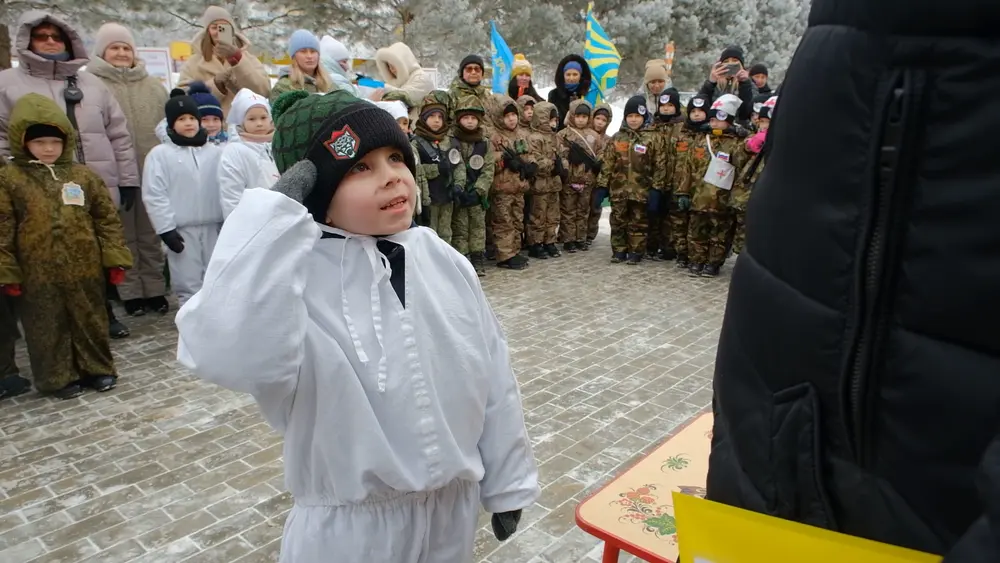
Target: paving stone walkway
point(165, 468)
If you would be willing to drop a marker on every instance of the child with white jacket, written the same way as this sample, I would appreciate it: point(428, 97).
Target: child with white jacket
point(247, 161)
point(368, 343)
point(181, 194)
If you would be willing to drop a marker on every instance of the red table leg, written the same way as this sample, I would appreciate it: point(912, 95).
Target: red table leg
point(610, 553)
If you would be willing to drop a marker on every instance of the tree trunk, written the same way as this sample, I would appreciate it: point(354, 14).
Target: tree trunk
point(4, 47)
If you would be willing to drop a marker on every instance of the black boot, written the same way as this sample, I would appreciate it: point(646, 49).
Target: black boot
point(667, 254)
point(682, 261)
point(634, 258)
point(135, 307)
point(158, 304)
point(710, 271)
point(582, 246)
point(14, 385)
point(618, 257)
point(553, 250)
point(569, 247)
point(116, 329)
point(517, 262)
point(491, 254)
point(71, 391)
point(695, 269)
point(100, 383)
point(478, 260)
point(538, 252)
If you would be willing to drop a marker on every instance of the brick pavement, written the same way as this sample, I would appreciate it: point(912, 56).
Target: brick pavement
point(165, 468)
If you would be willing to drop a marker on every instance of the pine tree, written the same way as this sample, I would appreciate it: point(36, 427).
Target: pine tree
point(776, 34)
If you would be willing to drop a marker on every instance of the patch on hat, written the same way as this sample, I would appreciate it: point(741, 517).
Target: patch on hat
point(664, 99)
point(721, 114)
point(454, 156)
point(476, 162)
point(698, 102)
point(642, 110)
point(343, 144)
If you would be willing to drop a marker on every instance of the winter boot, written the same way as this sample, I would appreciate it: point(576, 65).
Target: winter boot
point(634, 258)
point(14, 385)
point(582, 246)
point(682, 261)
point(517, 262)
point(538, 252)
point(710, 271)
point(478, 263)
point(667, 254)
point(654, 255)
point(552, 250)
point(158, 304)
point(100, 383)
point(569, 247)
point(491, 254)
point(71, 391)
point(618, 257)
point(135, 307)
point(695, 269)
point(116, 329)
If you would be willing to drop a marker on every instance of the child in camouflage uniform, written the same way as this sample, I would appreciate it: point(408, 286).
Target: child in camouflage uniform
point(60, 241)
point(515, 169)
point(469, 223)
point(754, 159)
point(708, 174)
point(527, 106)
point(678, 216)
point(580, 146)
point(543, 213)
point(599, 123)
point(667, 124)
point(634, 166)
point(440, 161)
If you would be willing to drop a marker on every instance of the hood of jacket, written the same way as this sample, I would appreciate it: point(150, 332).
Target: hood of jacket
point(585, 76)
point(502, 102)
point(540, 119)
point(36, 109)
point(568, 120)
point(611, 115)
point(36, 65)
point(399, 56)
point(106, 71)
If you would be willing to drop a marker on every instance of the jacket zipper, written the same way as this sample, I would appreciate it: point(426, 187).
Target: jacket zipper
point(870, 314)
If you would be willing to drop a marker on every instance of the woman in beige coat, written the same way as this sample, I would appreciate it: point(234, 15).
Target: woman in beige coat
point(401, 71)
point(227, 68)
point(142, 98)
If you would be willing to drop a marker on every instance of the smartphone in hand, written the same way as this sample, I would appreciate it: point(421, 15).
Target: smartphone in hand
point(732, 69)
point(226, 34)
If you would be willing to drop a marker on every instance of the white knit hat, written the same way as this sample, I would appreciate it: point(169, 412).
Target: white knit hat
point(396, 109)
point(332, 49)
point(110, 33)
point(214, 14)
point(244, 101)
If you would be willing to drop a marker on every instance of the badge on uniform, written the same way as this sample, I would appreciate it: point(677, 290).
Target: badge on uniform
point(621, 146)
point(641, 149)
point(454, 156)
point(476, 162)
point(72, 194)
point(723, 156)
point(664, 99)
point(681, 146)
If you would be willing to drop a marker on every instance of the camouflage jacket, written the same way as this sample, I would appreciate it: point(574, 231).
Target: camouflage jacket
point(480, 164)
point(667, 136)
point(58, 224)
point(705, 197)
point(506, 181)
point(591, 141)
point(633, 163)
point(544, 148)
point(745, 181)
point(459, 89)
point(442, 166)
point(422, 188)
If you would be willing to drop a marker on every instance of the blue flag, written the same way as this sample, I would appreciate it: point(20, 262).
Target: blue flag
point(603, 58)
point(503, 60)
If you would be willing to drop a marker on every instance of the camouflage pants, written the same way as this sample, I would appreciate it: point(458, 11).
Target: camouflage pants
point(678, 221)
point(543, 219)
point(66, 329)
point(441, 220)
point(9, 334)
point(707, 234)
point(740, 236)
point(468, 229)
point(508, 222)
point(574, 213)
point(596, 209)
point(628, 226)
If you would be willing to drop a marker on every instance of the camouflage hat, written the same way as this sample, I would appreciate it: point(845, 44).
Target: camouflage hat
point(333, 131)
point(469, 105)
point(399, 96)
point(437, 100)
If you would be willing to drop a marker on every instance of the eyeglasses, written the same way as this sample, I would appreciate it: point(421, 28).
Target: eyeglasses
point(41, 36)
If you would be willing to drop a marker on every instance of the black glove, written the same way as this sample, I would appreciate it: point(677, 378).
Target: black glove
point(173, 240)
point(512, 161)
point(505, 524)
point(561, 170)
point(469, 198)
point(577, 154)
point(529, 170)
point(456, 193)
point(128, 195)
point(596, 167)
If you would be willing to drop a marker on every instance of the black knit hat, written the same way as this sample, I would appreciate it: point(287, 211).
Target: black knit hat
point(636, 104)
point(471, 60)
point(40, 130)
point(670, 96)
point(333, 131)
point(180, 104)
point(732, 51)
point(704, 103)
point(758, 68)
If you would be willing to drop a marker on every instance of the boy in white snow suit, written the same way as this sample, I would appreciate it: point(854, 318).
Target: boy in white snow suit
point(180, 182)
point(385, 370)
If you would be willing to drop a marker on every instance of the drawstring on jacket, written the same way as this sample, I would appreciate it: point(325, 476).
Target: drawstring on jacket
point(49, 166)
point(381, 270)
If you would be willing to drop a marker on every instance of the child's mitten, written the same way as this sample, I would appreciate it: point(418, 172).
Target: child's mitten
point(297, 182)
point(505, 524)
point(755, 143)
point(173, 240)
point(116, 276)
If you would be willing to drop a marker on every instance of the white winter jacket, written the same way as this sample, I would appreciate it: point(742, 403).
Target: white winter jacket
point(373, 398)
point(410, 77)
point(244, 165)
point(180, 186)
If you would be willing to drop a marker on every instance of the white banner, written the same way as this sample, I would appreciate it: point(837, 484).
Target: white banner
point(158, 64)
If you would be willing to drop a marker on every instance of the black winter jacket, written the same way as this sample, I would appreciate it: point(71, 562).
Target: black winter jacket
point(857, 383)
point(560, 96)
